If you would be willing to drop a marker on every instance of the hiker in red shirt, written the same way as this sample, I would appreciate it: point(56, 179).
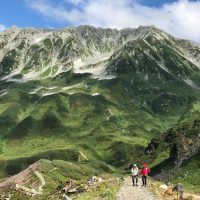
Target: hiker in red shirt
point(144, 172)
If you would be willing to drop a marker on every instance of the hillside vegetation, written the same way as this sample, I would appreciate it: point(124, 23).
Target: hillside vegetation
point(97, 99)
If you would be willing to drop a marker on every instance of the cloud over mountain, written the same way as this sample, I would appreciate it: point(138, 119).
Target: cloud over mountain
point(179, 18)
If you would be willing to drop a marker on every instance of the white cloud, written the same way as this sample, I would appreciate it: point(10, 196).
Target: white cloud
point(57, 13)
point(2, 27)
point(181, 18)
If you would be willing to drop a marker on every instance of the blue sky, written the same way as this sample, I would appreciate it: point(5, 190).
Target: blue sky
point(178, 17)
point(18, 12)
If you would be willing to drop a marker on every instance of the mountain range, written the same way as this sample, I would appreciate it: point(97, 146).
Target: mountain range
point(100, 96)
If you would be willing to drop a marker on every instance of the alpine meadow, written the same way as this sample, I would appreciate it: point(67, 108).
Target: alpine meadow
point(82, 101)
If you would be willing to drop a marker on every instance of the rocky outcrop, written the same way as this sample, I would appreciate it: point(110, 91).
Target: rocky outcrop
point(184, 141)
point(153, 145)
point(19, 179)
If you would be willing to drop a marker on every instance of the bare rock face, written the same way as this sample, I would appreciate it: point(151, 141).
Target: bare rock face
point(19, 179)
point(32, 52)
point(184, 141)
point(153, 145)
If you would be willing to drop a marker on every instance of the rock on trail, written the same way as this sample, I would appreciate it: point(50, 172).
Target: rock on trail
point(130, 192)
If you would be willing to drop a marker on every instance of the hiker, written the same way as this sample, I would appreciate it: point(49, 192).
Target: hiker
point(134, 174)
point(144, 172)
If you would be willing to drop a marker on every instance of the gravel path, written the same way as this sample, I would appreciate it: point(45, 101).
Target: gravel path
point(43, 183)
point(130, 192)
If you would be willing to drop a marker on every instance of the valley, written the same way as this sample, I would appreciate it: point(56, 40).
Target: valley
point(89, 101)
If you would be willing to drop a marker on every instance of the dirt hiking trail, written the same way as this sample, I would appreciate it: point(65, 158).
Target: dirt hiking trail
point(130, 192)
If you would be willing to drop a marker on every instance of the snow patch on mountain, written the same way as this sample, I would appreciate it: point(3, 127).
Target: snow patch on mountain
point(94, 65)
point(39, 37)
point(3, 93)
point(44, 94)
point(37, 40)
point(191, 84)
point(72, 86)
point(95, 94)
point(36, 90)
point(48, 91)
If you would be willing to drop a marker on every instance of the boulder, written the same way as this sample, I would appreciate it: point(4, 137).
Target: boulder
point(163, 187)
point(94, 179)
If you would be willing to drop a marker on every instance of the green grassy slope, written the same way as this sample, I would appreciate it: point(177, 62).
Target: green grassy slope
point(110, 120)
point(75, 117)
